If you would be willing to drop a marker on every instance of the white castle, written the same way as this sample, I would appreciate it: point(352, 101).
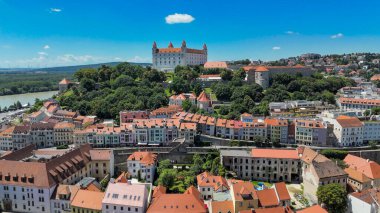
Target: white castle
point(166, 59)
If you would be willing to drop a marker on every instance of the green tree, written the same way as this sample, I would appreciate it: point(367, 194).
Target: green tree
point(196, 167)
point(334, 196)
point(167, 178)
point(226, 75)
point(87, 84)
point(163, 165)
point(186, 105)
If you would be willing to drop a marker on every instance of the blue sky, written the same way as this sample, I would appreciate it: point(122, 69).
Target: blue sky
point(42, 33)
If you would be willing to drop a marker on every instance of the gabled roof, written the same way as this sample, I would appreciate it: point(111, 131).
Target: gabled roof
point(193, 191)
point(313, 209)
point(175, 203)
point(356, 175)
point(282, 191)
point(222, 206)
point(207, 180)
point(203, 97)
point(101, 154)
point(261, 69)
point(147, 158)
point(369, 168)
point(369, 196)
point(267, 198)
point(65, 81)
point(88, 199)
point(158, 191)
point(347, 122)
point(243, 186)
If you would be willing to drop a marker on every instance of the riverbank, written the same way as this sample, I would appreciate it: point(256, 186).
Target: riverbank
point(8, 100)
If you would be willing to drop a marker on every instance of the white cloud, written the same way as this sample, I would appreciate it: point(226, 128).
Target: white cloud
point(291, 32)
point(42, 53)
point(138, 59)
point(46, 47)
point(55, 10)
point(70, 58)
point(179, 18)
point(339, 35)
point(276, 48)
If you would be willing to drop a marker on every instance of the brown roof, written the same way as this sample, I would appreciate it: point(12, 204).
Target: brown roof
point(369, 196)
point(101, 154)
point(347, 122)
point(88, 200)
point(62, 125)
point(369, 168)
point(147, 158)
point(222, 206)
point(313, 209)
point(327, 169)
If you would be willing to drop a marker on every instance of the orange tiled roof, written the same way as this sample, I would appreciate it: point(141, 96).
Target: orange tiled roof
point(356, 175)
point(101, 154)
point(313, 209)
point(203, 97)
point(175, 203)
point(347, 122)
point(282, 191)
point(209, 76)
point(88, 199)
point(267, 197)
point(372, 102)
point(375, 77)
point(243, 188)
point(62, 125)
point(159, 190)
point(221, 122)
point(370, 169)
point(193, 191)
point(207, 180)
point(222, 206)
point(276, 122)
point(64, 81)
point(261, 69)
point(275, 153)
point(147, 158)
point(215, 64)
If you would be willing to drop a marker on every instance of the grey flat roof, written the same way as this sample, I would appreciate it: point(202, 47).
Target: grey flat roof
point(236, 153)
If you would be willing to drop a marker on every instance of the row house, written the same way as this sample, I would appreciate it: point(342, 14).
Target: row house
point(277, 129)
point(42, 134)
point(348, 130)
point(63, 133)
point(264, 164)
point(165, 112)
point(179, 99)
point(311, 132)
point(357, 103)
point(129, 116)
point(6, 143)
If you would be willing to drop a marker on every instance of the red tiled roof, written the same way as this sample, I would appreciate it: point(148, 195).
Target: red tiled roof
point(275, 153)
point(375, 77)
point(261, 69)
point(276, 122)
point(101, 154)
point(371, 102)
point(222, 206)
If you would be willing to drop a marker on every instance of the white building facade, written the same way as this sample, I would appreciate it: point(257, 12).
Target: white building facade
point(166, 59)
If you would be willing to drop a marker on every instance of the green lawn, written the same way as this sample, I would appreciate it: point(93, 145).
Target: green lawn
point(256, 183)
point(213, 96)
point(169, 76)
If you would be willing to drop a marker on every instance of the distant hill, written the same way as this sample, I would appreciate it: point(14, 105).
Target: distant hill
point(66, 69)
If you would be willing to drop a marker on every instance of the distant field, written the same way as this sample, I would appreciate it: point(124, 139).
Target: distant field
point(26, 82)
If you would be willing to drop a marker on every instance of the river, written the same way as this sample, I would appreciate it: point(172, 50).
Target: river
point(7, 100)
